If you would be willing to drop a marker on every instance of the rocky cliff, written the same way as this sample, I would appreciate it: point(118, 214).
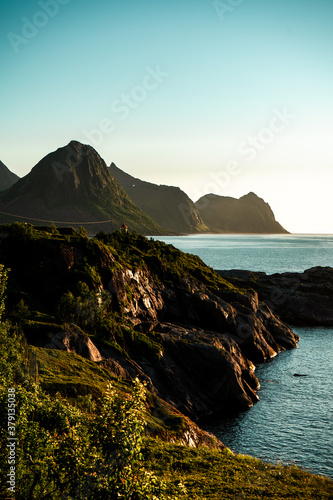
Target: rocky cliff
point(147, 309)
point(248, 214)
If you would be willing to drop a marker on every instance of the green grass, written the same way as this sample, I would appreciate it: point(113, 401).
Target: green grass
point(70, 374)
point(163, 260)
point(221, 475)
point(73, 376)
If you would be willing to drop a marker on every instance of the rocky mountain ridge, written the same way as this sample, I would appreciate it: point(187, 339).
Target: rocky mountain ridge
point(73, 185)
point(168, 205)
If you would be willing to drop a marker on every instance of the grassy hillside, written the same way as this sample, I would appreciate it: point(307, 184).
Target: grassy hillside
point(215, 475)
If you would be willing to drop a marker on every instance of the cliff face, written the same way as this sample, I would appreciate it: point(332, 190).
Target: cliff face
point(209, 340)
point(150, 310)
point(168, 205)
point(74, 184)
point(249, 214)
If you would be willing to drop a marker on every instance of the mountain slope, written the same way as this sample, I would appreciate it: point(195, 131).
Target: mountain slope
point(168, 205)
point(74, 185)
point(248, 214)
point(7, 178)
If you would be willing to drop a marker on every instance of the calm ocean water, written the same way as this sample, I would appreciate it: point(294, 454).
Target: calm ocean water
point(267, 253)
point(293, 421)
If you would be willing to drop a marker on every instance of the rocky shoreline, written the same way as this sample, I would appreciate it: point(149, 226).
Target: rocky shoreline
point(193, 334)
point(299, 299)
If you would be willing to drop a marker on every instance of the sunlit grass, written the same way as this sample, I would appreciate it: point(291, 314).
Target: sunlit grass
point(221, 475)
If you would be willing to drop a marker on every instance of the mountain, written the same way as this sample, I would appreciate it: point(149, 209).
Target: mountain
point(73, 186)
point(7, 178)
point(248, 214)
point(168, 205)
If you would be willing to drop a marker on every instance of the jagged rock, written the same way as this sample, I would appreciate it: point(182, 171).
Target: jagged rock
point(251, 324)
point(202, 372)
point(71, 339)
point(209, 345)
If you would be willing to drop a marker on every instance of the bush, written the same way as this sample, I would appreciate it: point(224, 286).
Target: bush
point(67, 453)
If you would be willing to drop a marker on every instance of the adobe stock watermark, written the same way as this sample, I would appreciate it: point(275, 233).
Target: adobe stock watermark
point(73, 159)
point(31, 27)
point(124, 105)
point(12, 439)
point(223, 8)
point(249, 149)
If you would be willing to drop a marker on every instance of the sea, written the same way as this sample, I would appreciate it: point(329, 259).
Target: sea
point(293, 421)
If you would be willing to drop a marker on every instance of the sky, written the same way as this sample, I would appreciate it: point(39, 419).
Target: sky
point(209, 95)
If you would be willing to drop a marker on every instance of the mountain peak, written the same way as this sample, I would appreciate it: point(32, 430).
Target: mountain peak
point(79, 149)
point(251, 194)
point(248, 214)
point(73, 183)
point(74, 169)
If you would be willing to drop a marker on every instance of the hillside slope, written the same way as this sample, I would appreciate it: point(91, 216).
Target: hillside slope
point(168, 205)
point(73, 185)
point(7, 178)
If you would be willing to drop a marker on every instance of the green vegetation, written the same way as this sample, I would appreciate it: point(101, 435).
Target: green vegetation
point(69, 449)
point(136, 250)
point(71, 375)
point(80, 449)
point(83, 432)
point(216, 475)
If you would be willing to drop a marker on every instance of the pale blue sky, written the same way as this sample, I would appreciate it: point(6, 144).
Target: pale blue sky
point(251, 85)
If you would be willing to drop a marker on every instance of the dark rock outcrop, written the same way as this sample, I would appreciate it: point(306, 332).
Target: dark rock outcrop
point(248, 214)
point(71, 339)
point(209, 345)
point(297, 298)
point(168, 205)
